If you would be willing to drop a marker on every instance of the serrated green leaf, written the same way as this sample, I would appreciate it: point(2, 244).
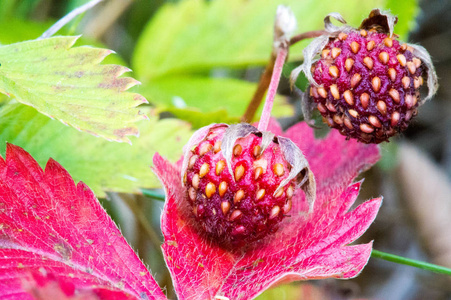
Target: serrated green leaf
point(70, 85)
point(220, 97)
point(102, 165)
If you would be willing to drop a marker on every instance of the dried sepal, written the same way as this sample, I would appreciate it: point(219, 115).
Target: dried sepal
point(432, 80)
point(300, 170)
point(232, 134)
point(284, 26)
point(381, 20)
point(267, 138)
point(331, 28)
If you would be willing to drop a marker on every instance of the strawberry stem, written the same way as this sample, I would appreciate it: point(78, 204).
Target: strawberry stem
point(272, 90)
point(410, 262)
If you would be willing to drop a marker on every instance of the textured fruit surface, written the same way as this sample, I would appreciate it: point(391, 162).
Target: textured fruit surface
point(368, 85)
point(243, 206)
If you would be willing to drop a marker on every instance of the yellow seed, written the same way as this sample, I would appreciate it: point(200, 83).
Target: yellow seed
point(409, 115)
point(404, 47)
point(395, 118)
point(381, 107)
point(417, 62)
point(366, 128)
point(402, 59)
point(337, 119)
point(333, 71)
point(370, 45)
point(353, 113)
point(185, 178)
point(220, 165)
point(411, 67)
point(331, 107)
point(279, 193)
point(405, 82)
point(192, 193)
point(287, 206)
point(256, 151)
point(217, 146)
point(195, 181)
point(368, 62)
point(313, 92)
point(290, 191)
point(394, 94)
point(376, 84)
point(329, 121)
point(383, 57)
point(421, 80)
point(205, 148)
point(325, 53)
point(274, 212)
point(348, 123)
point(235, 214)
point(409, 99)
point(322, 108)
point(416, 82)
point(204, 170)
point(388, 42)
point(335, 52)
point(355, 79)
point(355, 47)
point(334, 91)
point(238, 196)
point(365, 100)
point(363, 32)
point(349, 98)
point(258, 172)
point(260, 194)
point(210, 189)
point(348, 64)
point(192, 161)
point(222, 188)
point(342, 36)
point(322, 92)
point(225, 207)
point(392, 74)
point(278, 169)
point(374, 121)
point(239, 172)
point(409, 48)
point(237, 150)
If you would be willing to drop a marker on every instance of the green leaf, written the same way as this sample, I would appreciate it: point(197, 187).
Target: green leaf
point(216, 97)
point(198, 35)
point(68, 84)
point(102, 165)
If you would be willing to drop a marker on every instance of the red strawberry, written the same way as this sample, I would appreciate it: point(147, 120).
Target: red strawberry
point(240, 181)
point(366, 84)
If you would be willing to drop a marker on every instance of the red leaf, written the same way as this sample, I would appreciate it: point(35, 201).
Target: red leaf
point(306, 246)
point(56, 234)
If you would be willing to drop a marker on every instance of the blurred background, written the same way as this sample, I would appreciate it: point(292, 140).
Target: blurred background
point(199, 62)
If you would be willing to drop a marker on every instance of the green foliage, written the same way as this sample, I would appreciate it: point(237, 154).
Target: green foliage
point(68, 84)
point(102, 165)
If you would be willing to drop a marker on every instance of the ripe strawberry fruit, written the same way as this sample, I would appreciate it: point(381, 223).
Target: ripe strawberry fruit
point(240, 181)
point(366, 84)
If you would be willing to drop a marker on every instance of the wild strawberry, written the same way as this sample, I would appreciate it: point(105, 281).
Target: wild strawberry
point(240, 181)
point(366, 84)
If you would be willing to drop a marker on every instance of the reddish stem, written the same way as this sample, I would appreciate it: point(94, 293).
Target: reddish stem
point(272, 90)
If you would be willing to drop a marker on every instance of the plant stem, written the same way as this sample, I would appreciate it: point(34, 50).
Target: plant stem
point(69, 17)
point(410, 262)
point(272, 89)
point(154, 194)
point(265, 79)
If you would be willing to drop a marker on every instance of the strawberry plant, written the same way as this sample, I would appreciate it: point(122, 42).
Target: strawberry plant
point(249, 204)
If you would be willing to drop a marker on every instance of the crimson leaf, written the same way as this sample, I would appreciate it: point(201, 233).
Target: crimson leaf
point(55, 237)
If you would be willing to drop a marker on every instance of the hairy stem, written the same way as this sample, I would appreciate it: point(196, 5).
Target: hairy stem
point(69, 17)
point(272, 89)
point(265, 79)
point(410, 262)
